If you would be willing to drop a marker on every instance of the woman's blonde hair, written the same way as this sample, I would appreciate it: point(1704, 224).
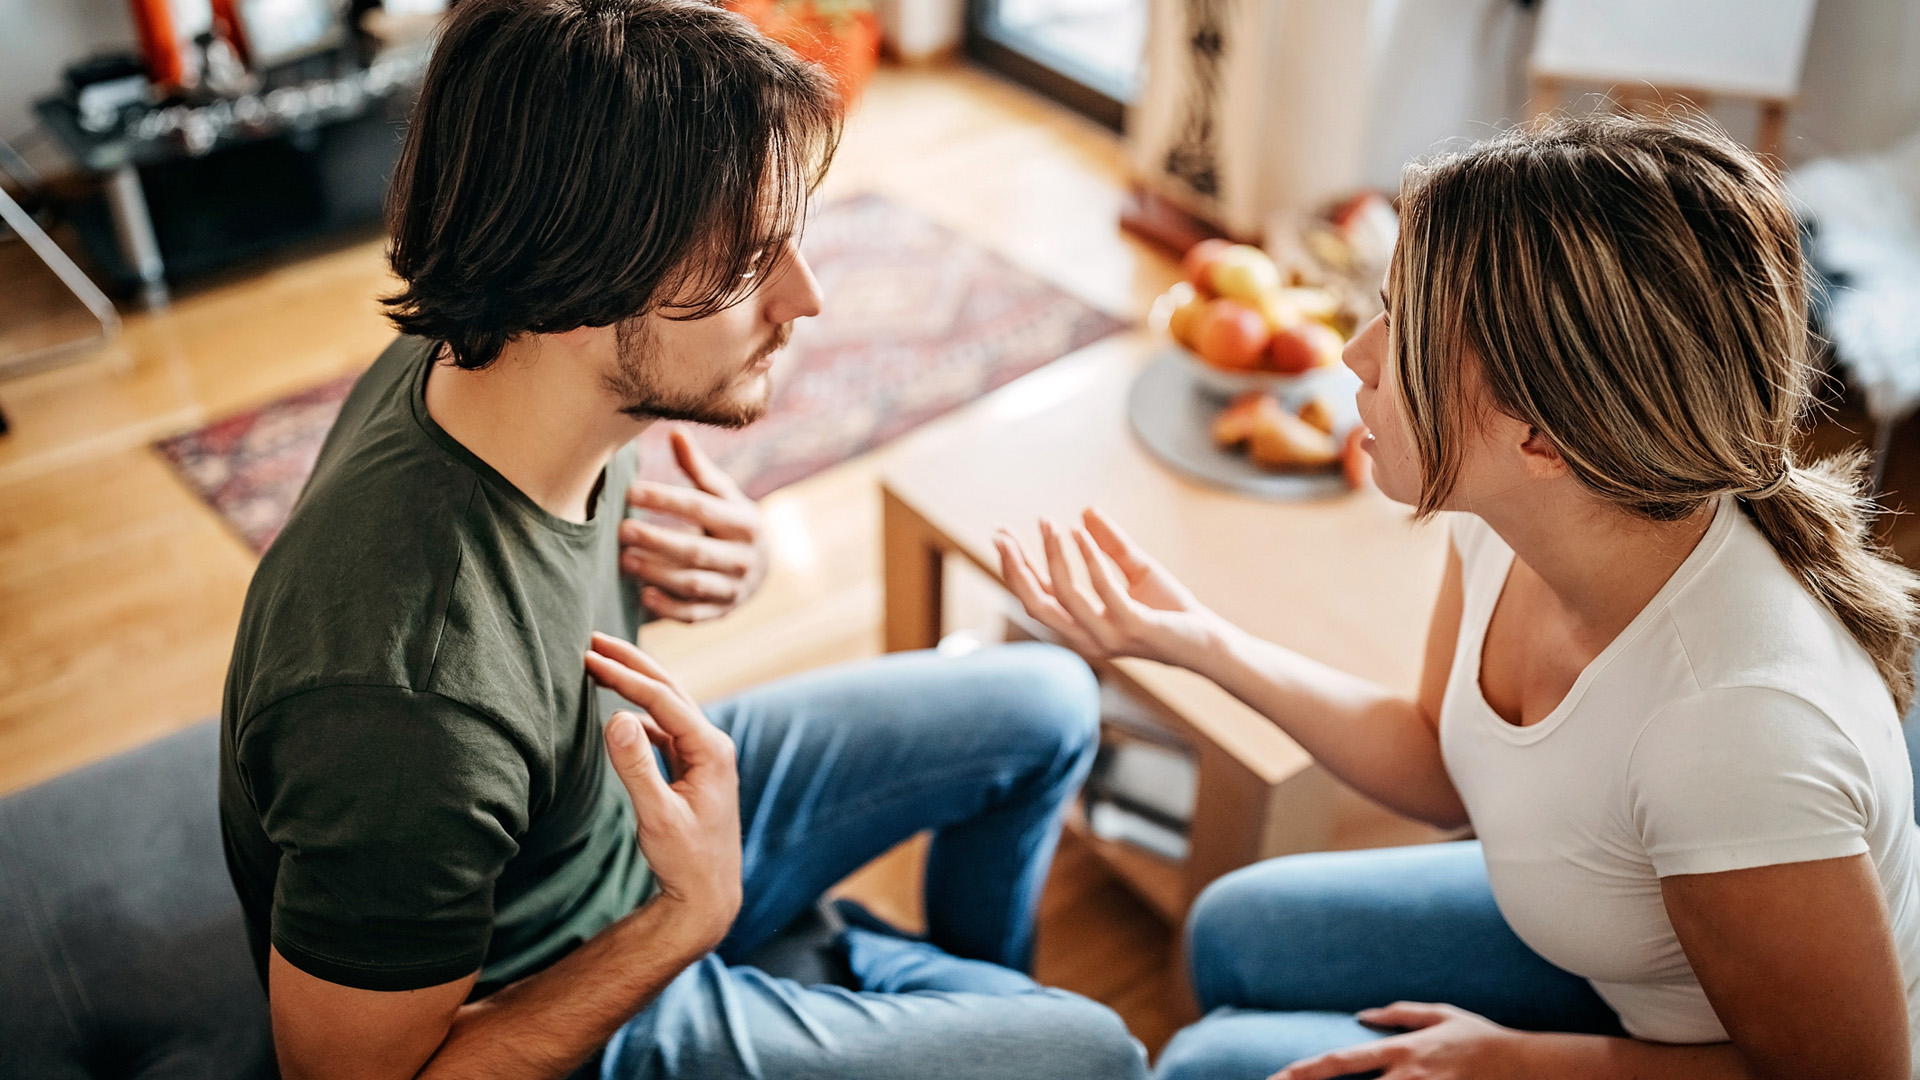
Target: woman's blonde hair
point(1634, 290)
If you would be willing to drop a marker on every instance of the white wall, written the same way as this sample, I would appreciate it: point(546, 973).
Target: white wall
point(1860, 89)
point(1456, 70)
point(38, 38)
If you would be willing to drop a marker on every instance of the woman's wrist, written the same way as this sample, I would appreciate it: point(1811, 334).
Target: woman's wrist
point(1202, 651)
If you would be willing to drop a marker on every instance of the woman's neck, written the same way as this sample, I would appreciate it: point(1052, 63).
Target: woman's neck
point(1601, 564)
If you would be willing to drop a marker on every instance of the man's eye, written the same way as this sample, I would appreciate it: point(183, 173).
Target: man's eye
point(753, 264)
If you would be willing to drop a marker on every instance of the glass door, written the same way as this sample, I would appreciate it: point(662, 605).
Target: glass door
point(1087, 54)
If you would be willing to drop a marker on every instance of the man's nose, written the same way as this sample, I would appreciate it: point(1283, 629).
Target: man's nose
point(795, 294)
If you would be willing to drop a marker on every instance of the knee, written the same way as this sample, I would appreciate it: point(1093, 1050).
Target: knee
point(1237, 1044)
point(1214, 1048)
point(1086, 1039)
point(1218, 927)
point(1051, 691)
point(1250, 926)
point(1190, 1055)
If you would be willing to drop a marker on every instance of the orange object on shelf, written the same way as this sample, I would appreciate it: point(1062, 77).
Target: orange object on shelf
point(842, 37)
point(167, 29)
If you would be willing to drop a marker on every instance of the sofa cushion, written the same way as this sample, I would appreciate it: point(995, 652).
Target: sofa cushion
point(122, 951)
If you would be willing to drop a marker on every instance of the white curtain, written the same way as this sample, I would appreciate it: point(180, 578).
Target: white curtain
point(1306, 100)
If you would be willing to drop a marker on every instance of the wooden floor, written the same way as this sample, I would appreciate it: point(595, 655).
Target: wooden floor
point(119, 590)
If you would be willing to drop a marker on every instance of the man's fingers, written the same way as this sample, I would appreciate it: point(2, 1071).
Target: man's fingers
point(685, 548)
point(625, 654)
point(693, 737)
point(665, 605)
point(727, 519)
point(683, 584)
point(648, 693)
point(631, 752)
point(700, 468)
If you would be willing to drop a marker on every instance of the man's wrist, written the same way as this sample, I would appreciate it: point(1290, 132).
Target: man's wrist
point(689, 928)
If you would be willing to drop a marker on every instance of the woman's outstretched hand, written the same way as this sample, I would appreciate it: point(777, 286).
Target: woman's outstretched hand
point(1104, 596)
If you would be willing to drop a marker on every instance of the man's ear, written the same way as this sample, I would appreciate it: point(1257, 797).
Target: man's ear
point(1540, 456)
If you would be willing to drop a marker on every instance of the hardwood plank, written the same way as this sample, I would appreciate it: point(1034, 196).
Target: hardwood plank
point(119, 595)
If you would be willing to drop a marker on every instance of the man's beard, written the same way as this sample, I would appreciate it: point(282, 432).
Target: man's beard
point(636, 382)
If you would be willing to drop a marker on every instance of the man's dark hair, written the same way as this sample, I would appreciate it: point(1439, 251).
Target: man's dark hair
point(579, 162)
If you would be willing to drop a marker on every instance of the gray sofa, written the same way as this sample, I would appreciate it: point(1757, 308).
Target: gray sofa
point(122, 950)
point(122, 953)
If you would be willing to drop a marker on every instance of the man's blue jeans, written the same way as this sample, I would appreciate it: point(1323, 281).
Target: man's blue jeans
point(835, 768)
point(1284, 952)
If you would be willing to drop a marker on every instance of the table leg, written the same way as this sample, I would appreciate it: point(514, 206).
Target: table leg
point(134, 228)
point(914, 565)
point(1240, 818)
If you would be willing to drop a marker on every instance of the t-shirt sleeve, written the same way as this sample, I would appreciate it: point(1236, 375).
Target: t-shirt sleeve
point(394, 813)
point(1740, 777)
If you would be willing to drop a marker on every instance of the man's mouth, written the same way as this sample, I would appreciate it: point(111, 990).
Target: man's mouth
point(763, 357)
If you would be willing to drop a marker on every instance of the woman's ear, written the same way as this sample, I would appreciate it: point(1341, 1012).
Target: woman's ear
point(1540, 456)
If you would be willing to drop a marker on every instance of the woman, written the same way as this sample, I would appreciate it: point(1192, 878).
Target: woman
point(1663, 678)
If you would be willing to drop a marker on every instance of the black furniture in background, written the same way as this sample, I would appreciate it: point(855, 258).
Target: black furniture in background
point(195, 186)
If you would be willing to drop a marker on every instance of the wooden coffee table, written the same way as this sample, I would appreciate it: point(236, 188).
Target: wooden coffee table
point(1349, 581)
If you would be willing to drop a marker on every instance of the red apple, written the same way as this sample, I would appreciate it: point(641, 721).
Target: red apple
point(1198, 262)
point(1303, 346)
point(1230, 335)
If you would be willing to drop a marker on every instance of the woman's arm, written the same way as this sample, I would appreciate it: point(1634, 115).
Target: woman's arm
point(1105, 597)
point(1797, 960)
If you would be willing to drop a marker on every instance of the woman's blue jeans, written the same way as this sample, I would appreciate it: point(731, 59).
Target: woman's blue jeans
point(1284, 952)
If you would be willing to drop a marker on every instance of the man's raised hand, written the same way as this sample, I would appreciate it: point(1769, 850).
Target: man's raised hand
point(689, 826)
point(688, 575)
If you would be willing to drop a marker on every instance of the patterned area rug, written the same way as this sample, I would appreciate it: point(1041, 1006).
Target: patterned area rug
point(917, 321)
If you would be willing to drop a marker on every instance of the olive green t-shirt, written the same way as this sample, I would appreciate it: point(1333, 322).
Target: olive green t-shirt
point(413, 785)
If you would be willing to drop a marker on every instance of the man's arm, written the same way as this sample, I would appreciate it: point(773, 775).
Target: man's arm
point(547, 1024)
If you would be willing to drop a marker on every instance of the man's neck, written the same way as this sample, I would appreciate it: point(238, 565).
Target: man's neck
point(545, 422)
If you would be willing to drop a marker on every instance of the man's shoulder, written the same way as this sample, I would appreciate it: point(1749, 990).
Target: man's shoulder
point(354, 590)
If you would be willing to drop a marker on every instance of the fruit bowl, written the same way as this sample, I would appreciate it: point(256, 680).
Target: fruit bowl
point(1291, 391)
point(1226, 383)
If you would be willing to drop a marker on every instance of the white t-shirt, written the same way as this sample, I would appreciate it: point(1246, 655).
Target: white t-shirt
point(1734, 723)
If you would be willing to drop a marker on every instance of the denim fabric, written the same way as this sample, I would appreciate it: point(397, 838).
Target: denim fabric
point(835, 768)
point(1284, 952)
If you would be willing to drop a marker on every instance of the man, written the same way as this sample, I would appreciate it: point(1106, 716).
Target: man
point(446, 867)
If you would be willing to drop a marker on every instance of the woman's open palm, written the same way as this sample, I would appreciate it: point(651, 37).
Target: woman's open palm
point(1102, 594)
